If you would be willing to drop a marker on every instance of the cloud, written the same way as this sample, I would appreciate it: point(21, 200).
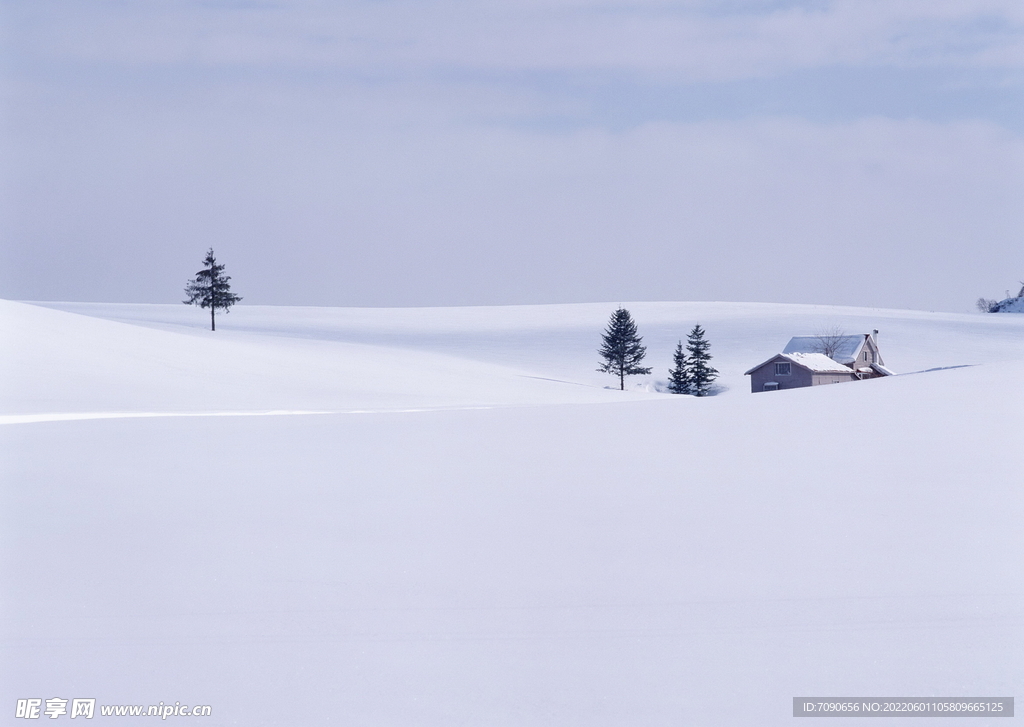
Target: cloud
point(314, 203)
point(413, 153)
point(691, 41)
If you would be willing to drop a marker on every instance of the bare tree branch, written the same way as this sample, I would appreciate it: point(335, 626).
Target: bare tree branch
point(827, 340)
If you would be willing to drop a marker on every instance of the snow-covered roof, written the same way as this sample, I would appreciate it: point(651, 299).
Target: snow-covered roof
point(819, 363)
point(846, 351)
point(883, 370)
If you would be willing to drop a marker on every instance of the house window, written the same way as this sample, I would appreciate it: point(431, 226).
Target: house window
point(783, 369)
point(866, 355)
point(771, 386)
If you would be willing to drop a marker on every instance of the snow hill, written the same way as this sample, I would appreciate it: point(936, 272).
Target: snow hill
point(451, 519)
point(1011, 305)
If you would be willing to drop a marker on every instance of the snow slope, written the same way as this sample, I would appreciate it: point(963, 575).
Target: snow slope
point(312, 358)
point(528, 547)
point(63, 363)
point(1011, 305)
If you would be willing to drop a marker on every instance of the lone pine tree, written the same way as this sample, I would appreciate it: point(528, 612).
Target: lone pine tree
point(678, 383)
point(621, 348)
point(699, 374)
point(211, 289)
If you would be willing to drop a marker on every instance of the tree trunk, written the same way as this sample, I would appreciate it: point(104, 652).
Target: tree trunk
point(213, 323)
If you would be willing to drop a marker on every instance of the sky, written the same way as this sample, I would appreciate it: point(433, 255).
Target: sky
point(438, 152)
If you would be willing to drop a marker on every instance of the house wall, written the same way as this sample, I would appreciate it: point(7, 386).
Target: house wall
point(871, 350)
point(800, 377)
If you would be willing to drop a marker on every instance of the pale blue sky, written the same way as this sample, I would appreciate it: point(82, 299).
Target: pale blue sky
point(865, 152)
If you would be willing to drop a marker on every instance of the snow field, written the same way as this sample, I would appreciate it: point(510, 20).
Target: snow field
point(615, 559)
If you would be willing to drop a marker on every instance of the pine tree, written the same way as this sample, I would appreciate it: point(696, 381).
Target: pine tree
point(678, 381)
point(699, 374)
point(210, 289)
point(621, 348)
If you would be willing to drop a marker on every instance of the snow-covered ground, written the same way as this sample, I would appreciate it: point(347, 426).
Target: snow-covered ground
point(1012, 305)
point(473, 530)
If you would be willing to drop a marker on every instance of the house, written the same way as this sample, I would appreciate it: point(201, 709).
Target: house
point(817, 360)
